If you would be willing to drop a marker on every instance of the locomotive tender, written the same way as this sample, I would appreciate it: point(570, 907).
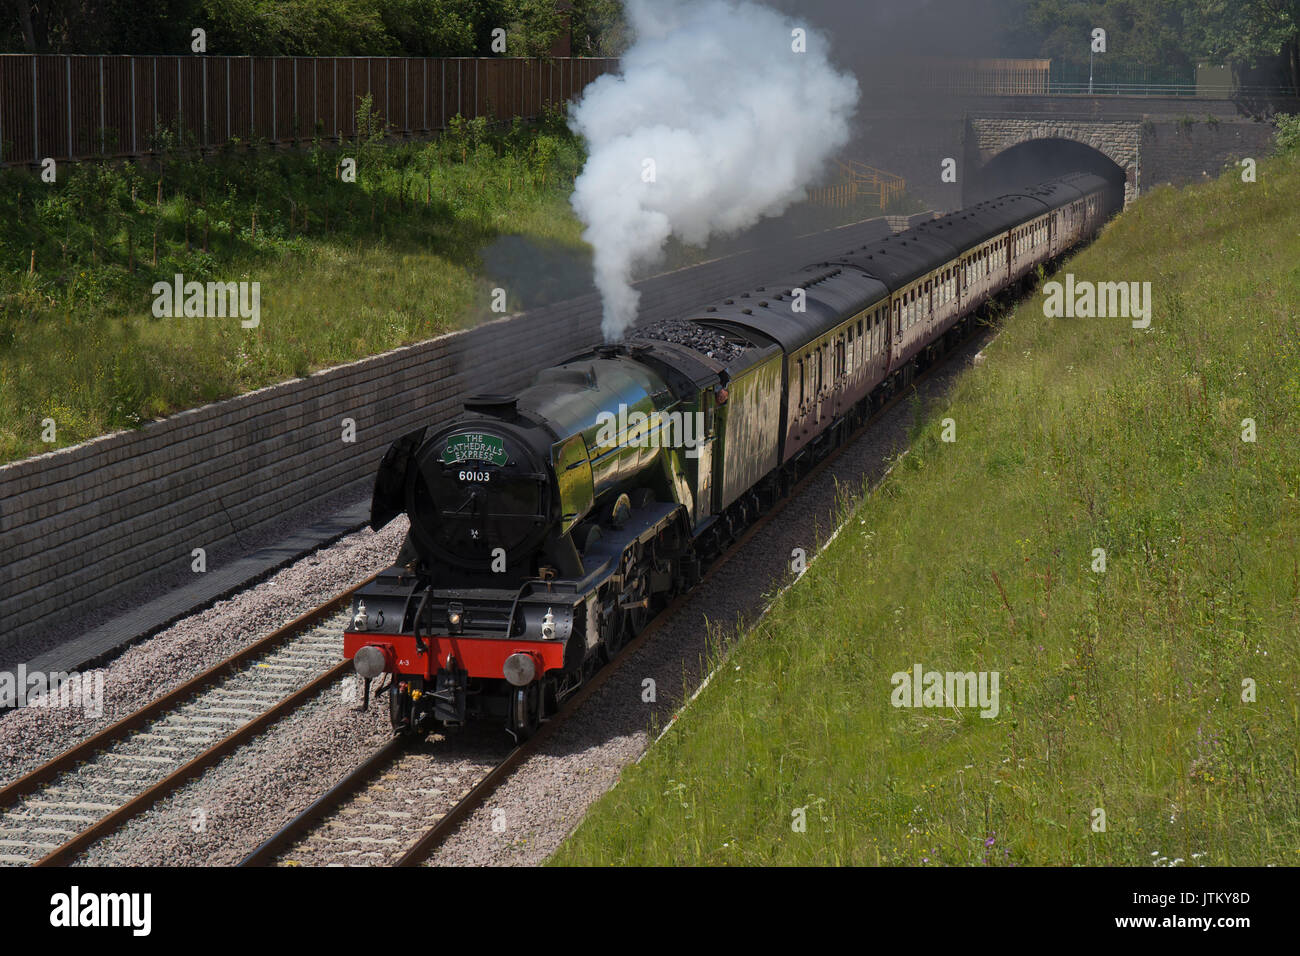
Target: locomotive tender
point(545, 528)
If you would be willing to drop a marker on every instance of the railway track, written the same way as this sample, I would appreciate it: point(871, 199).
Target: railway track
point(362, 819)
point(52, 814)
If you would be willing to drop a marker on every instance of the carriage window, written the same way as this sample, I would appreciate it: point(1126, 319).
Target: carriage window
point(799, 364)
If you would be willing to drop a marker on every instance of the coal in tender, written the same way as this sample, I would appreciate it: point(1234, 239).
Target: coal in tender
point(701, 338)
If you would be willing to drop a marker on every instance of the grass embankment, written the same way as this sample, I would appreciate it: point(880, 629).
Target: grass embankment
point(347, 269)
point(1120, 691)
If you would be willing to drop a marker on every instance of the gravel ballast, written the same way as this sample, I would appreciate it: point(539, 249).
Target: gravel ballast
point(31, 735)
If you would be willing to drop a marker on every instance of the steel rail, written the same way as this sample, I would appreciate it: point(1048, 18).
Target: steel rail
point(188, 771)
point(288, 834)
point(110, 735)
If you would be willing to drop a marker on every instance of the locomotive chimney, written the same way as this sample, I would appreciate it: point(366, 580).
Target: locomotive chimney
point(498, 406)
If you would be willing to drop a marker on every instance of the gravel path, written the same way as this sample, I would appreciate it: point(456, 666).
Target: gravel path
point(542, 802)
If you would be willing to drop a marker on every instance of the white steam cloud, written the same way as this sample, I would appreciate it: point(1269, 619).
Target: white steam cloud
point(715, 122)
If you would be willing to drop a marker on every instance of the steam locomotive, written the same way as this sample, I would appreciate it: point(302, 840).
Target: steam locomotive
point(547, 527)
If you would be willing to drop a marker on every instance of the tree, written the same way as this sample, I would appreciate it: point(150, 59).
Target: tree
point(290, 27)
point(98, 26)
point(1242, 33)
point(598, 28)
point(531, 26)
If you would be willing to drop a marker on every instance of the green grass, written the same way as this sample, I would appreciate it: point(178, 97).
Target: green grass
point(1119, 690)
point(346, 269)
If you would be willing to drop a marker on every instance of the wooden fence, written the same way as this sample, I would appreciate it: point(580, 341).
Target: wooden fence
point(83, 107)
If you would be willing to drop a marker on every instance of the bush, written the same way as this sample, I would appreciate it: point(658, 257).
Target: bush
point(1288, 132)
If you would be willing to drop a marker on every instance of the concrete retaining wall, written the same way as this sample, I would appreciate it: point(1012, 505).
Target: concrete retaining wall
point(93, 524)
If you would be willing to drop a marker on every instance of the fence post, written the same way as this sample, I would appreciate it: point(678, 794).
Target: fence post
point(203, 65)
point(275, 126)
point(229, 102)
point(103, 132)
point(180, 105)
point(295, 101)
point(36, 123)
point(337, 137)
point(252, 113)
point(135, 126)
point(67, 62)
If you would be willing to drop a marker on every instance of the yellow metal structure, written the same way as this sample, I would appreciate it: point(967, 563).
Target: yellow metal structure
point(859, 182)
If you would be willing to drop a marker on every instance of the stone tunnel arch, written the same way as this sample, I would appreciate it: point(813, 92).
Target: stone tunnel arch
point(1013, 153)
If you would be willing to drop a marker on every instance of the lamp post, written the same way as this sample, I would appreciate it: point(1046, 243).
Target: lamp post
point(1092, 55)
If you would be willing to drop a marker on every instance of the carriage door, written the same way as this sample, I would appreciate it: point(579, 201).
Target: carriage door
point(819, 361)
point(704, 461)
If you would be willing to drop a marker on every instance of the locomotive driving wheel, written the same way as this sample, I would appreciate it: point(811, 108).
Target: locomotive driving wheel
point(631, 611)
point(635, 599)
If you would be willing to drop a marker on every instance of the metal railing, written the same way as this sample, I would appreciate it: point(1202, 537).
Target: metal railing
point(1170, 89)
point(995, 78)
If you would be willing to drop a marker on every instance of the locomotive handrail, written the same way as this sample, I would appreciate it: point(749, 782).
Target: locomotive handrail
point(510, 621)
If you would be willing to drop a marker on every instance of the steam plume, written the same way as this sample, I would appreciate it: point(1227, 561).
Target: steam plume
point(735, 122)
